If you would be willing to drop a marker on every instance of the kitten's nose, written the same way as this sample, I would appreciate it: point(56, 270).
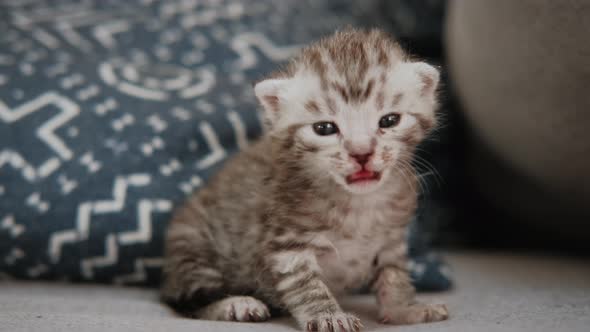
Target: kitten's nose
point(362, 159)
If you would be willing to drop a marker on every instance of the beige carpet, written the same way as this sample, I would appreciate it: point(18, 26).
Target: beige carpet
point(494, 292)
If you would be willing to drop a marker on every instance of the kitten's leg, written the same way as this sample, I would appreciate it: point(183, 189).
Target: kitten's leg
point(191, 277)
point(396, 300)
point(299, 288)
point(194, 286)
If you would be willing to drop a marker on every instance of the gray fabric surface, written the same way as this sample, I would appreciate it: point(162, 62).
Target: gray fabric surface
point(494, 292)
point(521, 70)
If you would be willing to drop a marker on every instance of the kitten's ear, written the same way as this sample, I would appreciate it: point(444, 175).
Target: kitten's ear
point(269, 94)
point(428, 77)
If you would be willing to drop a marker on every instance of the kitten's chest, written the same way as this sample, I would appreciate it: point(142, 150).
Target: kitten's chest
point(354, 246)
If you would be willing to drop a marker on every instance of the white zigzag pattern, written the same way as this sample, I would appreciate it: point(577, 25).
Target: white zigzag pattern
point(110, 257)
point(217, 152)
point(244, 42)
point(104, 32)
point(142, 234)
point(46, 133)
point(28, 171)
point(86, 209)
point(239, 129)
point(144, 225)
point(140, 274)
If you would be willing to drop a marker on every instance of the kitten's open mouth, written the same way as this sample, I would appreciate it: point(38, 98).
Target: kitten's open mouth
point(363, 176)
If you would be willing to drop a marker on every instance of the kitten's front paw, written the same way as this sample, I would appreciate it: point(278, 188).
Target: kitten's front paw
point(338, 322)
point(414, 314)
point(237, 308)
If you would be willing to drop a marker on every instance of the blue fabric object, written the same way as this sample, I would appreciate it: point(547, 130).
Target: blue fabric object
point(112, 112)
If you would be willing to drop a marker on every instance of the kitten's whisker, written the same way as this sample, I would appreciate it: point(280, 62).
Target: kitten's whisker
point(409, 168)
point(423, 163)
point(406, 174)
point(429, 167)
point(423, 175)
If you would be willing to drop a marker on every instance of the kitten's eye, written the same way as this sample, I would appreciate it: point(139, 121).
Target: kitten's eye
point(325, 128)
point(389, 120)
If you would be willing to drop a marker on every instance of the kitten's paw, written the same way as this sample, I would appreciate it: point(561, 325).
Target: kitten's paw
point(414, 314)
point(238, 309)
point(338, 322)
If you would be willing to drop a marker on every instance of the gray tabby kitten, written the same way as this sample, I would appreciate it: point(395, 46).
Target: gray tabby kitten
point(320, 205)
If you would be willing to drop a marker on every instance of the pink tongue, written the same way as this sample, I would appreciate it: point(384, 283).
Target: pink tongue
point(362, 175)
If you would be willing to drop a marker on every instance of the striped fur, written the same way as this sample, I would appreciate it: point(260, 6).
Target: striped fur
point(279, 227)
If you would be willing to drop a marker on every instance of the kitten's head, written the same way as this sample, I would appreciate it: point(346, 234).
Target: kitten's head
point(351, 108)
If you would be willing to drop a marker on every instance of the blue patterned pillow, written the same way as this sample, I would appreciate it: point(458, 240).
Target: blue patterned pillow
point(112, 112)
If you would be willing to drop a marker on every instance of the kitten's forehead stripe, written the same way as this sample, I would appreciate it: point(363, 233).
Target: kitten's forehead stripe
point(341, 90)
point(368, 89)
point(383, 58)
point(342, 62)
point(319, 67)
point(357, 52)
point(313, 107)
point(397, 98)
point(380, 100)
point(355, 93)
point(331, 105)
point(350, 54)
